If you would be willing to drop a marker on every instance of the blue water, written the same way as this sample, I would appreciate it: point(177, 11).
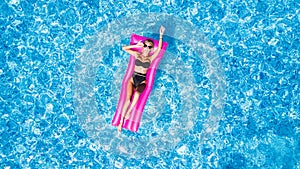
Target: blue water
point(226, 93)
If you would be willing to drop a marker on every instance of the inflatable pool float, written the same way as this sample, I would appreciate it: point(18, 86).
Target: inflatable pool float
point(133, 122)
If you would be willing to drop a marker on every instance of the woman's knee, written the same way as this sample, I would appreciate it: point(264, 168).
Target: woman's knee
point(128, 97)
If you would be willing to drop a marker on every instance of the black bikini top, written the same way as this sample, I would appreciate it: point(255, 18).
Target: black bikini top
point(143, 64)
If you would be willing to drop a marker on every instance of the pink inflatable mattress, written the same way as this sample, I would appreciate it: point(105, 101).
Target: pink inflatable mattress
point(133, 122)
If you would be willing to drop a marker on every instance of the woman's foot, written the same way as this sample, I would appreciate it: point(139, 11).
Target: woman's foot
point(120, 125)
point(120, 128)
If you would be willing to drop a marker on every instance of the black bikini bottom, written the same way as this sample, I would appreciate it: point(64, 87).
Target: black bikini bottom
point(138, 78)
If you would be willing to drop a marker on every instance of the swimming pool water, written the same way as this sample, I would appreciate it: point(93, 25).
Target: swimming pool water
point(226, 94)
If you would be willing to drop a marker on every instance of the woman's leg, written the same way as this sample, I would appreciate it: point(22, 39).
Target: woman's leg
point(134, 101)
point(126, 104)
point(140, 88)
point(128, 97)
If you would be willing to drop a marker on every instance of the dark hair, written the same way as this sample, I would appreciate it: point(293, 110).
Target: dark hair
point(149, 41)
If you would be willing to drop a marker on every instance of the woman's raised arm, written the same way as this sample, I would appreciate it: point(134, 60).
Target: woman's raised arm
point(161, 33)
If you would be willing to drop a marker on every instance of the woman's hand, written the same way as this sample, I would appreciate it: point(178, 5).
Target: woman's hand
point(140, 44)
point(162, 30)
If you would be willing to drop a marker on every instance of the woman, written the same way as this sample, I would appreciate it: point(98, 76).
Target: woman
point(138, 79)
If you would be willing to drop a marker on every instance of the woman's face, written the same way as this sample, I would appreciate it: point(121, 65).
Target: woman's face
point(148, 46)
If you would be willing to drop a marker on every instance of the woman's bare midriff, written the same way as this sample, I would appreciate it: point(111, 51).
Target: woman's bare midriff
point(140, 69)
